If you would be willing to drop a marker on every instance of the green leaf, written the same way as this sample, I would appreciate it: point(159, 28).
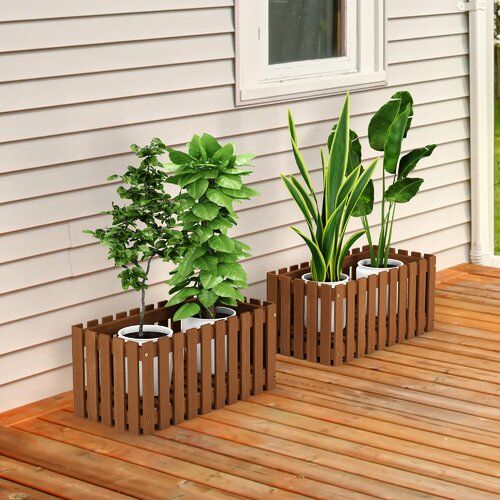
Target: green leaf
point(380, 123)
point(226, 289)
point(244, 159)
point(206, 211)
point(206, 263)
point(354, 149)
point(182, 296)
point(196, 149)
point(197, 189)
point(406, 100)
point(178, 157)
point(203, 233)
point(219, 198)
point(319, 264)
point(221, 243)
point(403, 190)
point(229, 181)
point(207, 298)
point(394, 140)
point(209, 279)
point(365, 202)
point(233, 271)
point(301, 202)
point(245, 193)
point(409, 161)
point(210, 144)
point(223, 154)
point(220, 224)
point(186, 311)
point(186, 179)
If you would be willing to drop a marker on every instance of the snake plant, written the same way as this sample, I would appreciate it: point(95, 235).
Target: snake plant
point(344, 182)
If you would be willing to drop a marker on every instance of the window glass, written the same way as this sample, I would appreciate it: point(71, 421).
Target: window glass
point(301, 30)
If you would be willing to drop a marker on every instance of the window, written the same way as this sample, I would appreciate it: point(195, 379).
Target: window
point(287, 49)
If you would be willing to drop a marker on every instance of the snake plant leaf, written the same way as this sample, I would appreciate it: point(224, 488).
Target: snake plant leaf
point(394, 139)
point(403, 190)
point(186, 310)
point(409, 161)
point(354, 149)
point(360, 187)
point(348, 184)
point(319, 264)
point(300, 201)
point(345, 249)
point(331, 228)
point(338, 158)
point(313, 209)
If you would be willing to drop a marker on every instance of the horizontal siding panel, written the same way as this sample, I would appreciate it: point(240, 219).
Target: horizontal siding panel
point(50, 9)
point(427, 48)
point(397, 8)
point(112, 57)
point(34, 94)
point(452, 257)
point(96, 143)
point(31, 389)
point(427, 26)
point(108, 29)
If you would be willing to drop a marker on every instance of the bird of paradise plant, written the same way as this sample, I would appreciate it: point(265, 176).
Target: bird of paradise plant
point(344, 182)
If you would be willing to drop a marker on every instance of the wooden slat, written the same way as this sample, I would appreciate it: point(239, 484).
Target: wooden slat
point(284, 314)
point(298, 318)
point(326, 327)
point(104, 345)
point(91, 364)
point(270, 347)
point(371, 339)
point(350, 346)
point(338, 334)
point(382, 311)
point(78, 370)
point(312, 321)
point(431, 292)
point(257, 339)
point(164, 382)
point(147, 356)
point(402, 302)
point(178, 377)
point(393, 307)
point(220, 363)
point(361, 317)
point(191, 373)
point(412, 299)
point(206, 369)
point(232, 360)
point(245, 381)
point(118, 350)
point(421, 296)
point(133, 402)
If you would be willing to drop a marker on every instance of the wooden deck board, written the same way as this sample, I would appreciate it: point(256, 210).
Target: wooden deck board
point(418, 420)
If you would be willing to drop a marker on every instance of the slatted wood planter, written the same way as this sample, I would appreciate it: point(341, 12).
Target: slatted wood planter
point(104, 392)
point(369, 314)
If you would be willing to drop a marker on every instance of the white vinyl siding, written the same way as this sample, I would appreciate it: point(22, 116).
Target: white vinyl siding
point(92, 78)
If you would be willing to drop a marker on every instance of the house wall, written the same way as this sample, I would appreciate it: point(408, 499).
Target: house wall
point(81, 81)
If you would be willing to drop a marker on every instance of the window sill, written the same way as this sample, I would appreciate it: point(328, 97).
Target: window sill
point(303, 88)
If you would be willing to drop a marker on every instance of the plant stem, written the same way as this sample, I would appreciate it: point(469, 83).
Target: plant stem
point(366, 225)
point(388, 242)
point(143, 298)
point(381, 241)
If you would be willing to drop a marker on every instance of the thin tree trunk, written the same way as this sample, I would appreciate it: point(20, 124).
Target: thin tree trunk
point(143, 299)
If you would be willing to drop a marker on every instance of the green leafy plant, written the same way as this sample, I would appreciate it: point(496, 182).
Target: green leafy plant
point(210, 178)
point(344, 182)
point(386, 132)
point(144, 227)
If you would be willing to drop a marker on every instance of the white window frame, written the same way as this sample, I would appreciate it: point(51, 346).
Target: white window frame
point(363, 66)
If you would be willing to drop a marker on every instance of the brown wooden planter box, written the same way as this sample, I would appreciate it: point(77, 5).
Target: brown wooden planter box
point(362, 324)
point(100, 361)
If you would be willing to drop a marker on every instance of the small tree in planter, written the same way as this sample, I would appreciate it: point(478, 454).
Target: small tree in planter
point(386, 132)
point(209, 275)
point(142, 229)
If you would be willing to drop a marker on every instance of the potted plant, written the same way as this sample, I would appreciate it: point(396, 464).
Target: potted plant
point(344, 182)
point(386, 132)
point(208, 277)
point(140, 230)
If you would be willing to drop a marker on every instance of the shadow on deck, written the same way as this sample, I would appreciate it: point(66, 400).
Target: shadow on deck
point(421, 419)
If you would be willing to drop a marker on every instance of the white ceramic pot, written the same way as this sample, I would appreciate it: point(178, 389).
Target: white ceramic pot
point(345, 279)
point(364, 270)
point(193, 322)
point(162, 331)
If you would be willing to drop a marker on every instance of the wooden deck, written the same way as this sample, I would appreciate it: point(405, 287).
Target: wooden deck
point(420, 420)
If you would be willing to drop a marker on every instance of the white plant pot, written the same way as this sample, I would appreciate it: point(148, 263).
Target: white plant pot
point(345, 279)
point(193, 322)
point(364, 270)
point(163, 331)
